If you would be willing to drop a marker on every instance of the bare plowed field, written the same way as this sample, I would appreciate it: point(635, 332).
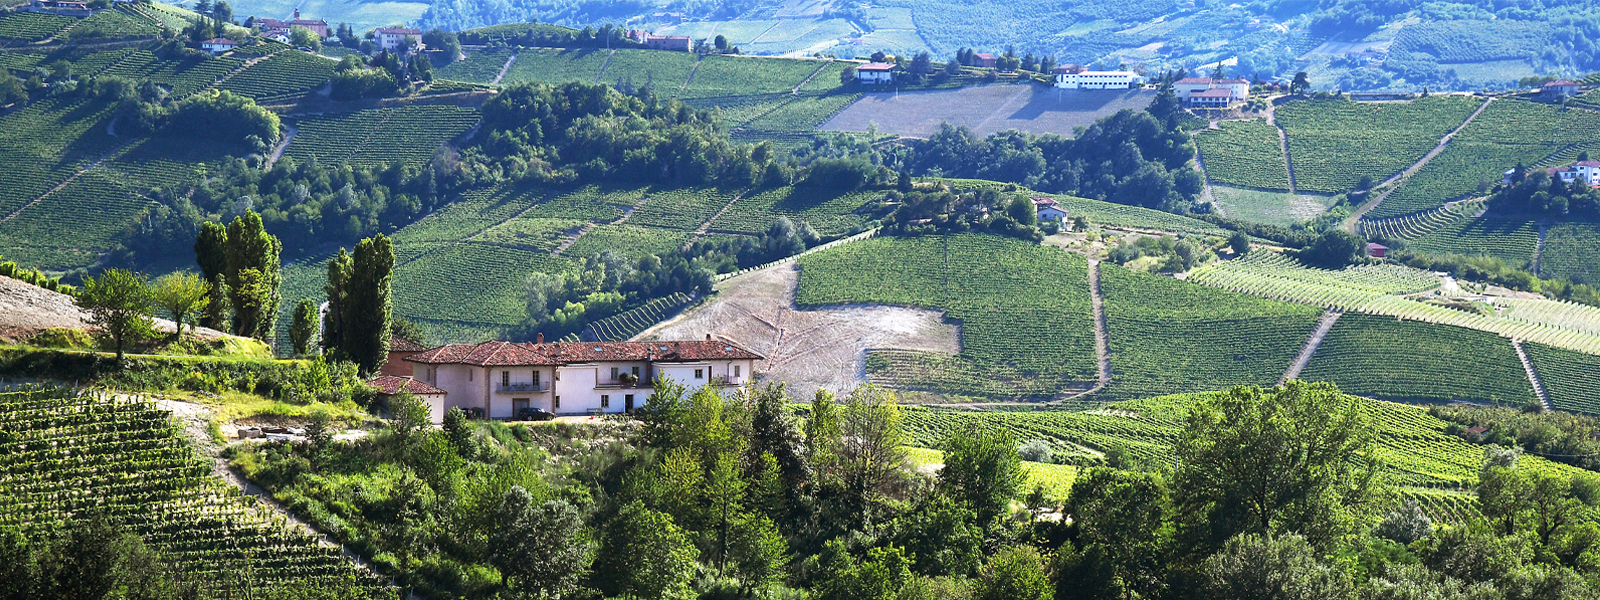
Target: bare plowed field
point(808, 349)
point(986, 109)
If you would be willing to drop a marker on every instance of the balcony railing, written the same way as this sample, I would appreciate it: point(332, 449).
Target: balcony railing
point(725, 380)
point(523, 388)
point(618, 383)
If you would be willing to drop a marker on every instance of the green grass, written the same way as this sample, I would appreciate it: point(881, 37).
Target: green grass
point(408, 135)
point(1572, 250)
point(1244, 153)
point(1276, 208)
point(548, 65)
point(1026, 326)
point(1382, 357)
point(1571, 379)
point(1169, 336)
point(1334, 143)
point(1512, 240)
point(1056, 479)
point(828, 211)
point(629, 240)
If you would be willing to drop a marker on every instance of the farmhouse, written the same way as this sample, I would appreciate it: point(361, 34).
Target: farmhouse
point(389, 386)
point(393, 38)
point(1048, 209)
point(674, 43)
point(399, 349)
point(1560, 88)
point(60, 7)
point(1097, 80)
point(218, 45)
point(1207, 92)
point(876, 73)
point(983, 60)
point(274, 27)
point(501, 378)
point(1587, 171)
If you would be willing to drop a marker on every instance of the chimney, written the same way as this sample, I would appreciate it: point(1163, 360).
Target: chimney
point(297, 14)
point(708, 337)
point(540, 339)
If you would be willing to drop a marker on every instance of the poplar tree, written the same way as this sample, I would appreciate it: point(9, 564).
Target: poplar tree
point(211, 252)
point(304, 328)
point(367, 310)
point(255, 296)
point(336, 288)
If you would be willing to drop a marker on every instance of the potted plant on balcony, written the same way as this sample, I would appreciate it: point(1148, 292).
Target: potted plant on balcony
point(628, 379)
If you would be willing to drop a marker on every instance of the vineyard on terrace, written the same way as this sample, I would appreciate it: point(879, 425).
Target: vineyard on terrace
point(88, 213)
point(1335, 142)
point(1572, 250)
point(182, 77)
point(1559, 314)
point(1511, 240)
point(286, 75)
point(1026, 325)
point(1570, 378)
point(624, 326)
point(407, 135)
point(45, 143)
point(549, 65)
point(1382, 357)
point(533, 234)
point(66, 455)
point(31, 27)
point(1273, 275)
point(480, 66)
point(1416, 225)
point(1463, 169)
point(117, 23)
point(685, 208)
point(720, 76)
point(469, 282)
point(1412, 448)
point(629, 240)
point(1227, 339)
point(664, 72)
point(1244, 153)
point(829, 212)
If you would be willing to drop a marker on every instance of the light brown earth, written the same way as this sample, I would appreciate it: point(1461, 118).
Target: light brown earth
point(26, 309)
point(808, 349)
point(986, 109)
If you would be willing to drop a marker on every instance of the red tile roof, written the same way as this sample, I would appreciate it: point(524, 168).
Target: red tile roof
point(984, 56)
point(1562, 83)
point(1041, 202)
point(1587, 163)
point(220, 42)
point(400, 344)
point(1209, 81)
point(390, 385)
point(486, 354)
point(877, 67)
point(563, 353)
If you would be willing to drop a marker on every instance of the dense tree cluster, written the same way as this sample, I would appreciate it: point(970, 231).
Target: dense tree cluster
point(240, 262)
point(1537, 193)
point(359, 318)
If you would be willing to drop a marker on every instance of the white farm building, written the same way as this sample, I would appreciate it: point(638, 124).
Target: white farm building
point(1098, 80)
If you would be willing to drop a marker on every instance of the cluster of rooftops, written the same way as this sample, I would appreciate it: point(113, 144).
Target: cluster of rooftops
point(519, 354)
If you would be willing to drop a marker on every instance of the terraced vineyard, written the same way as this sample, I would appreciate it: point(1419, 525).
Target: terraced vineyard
point(629, 240)
point(1416, 225)
point(1571, 379)
point(66, 455)
point(664, 72)
point(533, 234)
point(1572, 250)
point(88, 213)
point(1227, 339)
point(1244, 153)
point(828, 211)
point(55, 137)
point(475, 212)
point(286, 75)
point(1334, 143)
point(1382, 357)
point(684, 208)
point(720, 76)
point(480, 66)
point(170, 162)
point(182, 77)
point(117, 23)
point(1273, 275)
point(435, 285)
point(1413, 449)
point(408, 135)
point(549, 65)
point(1511, 240)
point(1463, 169)
point(1558, 314)
point(1026, 326)
point(624, 326)
point(32, 27)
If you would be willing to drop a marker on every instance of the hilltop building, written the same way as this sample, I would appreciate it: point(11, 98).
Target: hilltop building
point(986, 61)
point(274, 27)
point(389, 386)
point(1587, 171)
point(218, 45)
point(1561, 88)
point(1207, 92)
point(1096, 80)
point(73, 8)
point(672, 43)
point(1376, 250)
point(501, 378)
point(876, 73)
point(394, 38)
point(1048, 209)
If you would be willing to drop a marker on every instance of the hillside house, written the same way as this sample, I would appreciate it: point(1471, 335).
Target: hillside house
point(389, 386)
point(274, 27)
point(399, 349)
point(1561, 88)
point(1376, 250)
point(1202, 92)
point(983, 60)
point(1097, 80)
point(1048, 209)
point(74, 8)
point(672, 43)
point(1587, 171)
point(218, 45)
point(501, 378)
point(394, 38)
point(876, 73)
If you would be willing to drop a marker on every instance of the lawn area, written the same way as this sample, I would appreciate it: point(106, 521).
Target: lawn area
point(1276, 208)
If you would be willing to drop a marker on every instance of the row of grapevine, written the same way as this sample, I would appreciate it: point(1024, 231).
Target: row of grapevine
point(1512, 240)
point(830, 212)
point(1463, 169)
point(67, 454)
point(1334, 143)
point(684, 208)
point(1383, 357)
point(32, 27)
point(480, 66)
point(624, 326)
point(1244, 153)
point(1553, 313)
point(287, 74)
point(409, 134)
point(1570, 378)
point(1572, 251)
point(1416, 225)
point(627, 239)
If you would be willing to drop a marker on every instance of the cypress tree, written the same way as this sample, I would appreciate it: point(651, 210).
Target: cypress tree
point(211, 252)
point(251, 248)
point(305, 326)
point(337, 288)
point(367, 309)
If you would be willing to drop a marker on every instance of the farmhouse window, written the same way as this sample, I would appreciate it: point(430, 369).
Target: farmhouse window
point(636, 371)
point(554, 404)
point(470, 373)
point(613, 373)
point(699, 373)
point(605, 401)
point(505, 378)
point(736, 370)
point(536, 379)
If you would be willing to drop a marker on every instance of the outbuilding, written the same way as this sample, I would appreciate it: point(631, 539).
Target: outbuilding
point(1376, 250)
point(876, 73)
point(389, 386)
point(1048, 209)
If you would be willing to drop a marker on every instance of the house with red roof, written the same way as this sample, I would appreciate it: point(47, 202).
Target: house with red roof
point(1048, 209)
point(399, 349)
point(876, 73)
point(274, 27)
point(1587, 171)
point(218, 45)
point(501, 378)
point(986, 61)
point(1208, 92)
point(389, 386)
point(1560, 88)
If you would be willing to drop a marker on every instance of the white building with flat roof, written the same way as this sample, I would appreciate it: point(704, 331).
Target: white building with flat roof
point(1098, 80)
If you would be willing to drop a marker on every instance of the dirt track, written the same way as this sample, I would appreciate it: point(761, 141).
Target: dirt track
point(809, 349)
point(986, 109)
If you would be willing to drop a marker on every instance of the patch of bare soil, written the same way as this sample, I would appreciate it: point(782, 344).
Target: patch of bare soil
point(808, 349)
point(26, 309)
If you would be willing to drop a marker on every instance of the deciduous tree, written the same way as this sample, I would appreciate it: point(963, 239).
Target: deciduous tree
point(303, 330)
point(182, 295)
point(119, 304)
